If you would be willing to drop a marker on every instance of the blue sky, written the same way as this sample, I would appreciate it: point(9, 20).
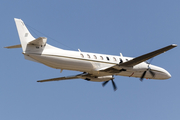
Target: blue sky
point(109, 27)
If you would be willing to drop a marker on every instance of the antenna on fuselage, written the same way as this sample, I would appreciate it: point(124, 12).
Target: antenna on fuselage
point(79, 50)
point(121, 55)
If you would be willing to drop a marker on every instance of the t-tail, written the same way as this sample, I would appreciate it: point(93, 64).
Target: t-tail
point(29, 44)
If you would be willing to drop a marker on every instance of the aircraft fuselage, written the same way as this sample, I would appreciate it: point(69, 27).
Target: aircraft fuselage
point(92, 63)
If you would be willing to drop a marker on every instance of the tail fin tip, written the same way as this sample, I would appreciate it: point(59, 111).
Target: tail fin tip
point(24, 34)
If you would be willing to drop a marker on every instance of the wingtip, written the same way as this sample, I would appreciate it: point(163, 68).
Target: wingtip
point(175, 45)
point(39, 81)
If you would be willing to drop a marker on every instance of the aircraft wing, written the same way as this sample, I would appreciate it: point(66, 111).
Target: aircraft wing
point(147, 56)
point(119, 67)
point(58, 79)
point(65, 78)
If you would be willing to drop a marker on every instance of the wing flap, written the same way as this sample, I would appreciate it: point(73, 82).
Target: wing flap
point(112, 69)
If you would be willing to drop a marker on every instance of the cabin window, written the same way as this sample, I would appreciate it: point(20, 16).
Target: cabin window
point(88, 56)
point(95, 57)
point(114, 59)
point(101, 57)
point(82, 55)
point(107, 58)
point(126, 59)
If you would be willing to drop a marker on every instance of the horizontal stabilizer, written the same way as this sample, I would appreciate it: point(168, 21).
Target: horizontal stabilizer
point(39, 41)
point(14, 46)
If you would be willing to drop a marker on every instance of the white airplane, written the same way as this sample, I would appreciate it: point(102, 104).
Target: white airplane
point(94, 67)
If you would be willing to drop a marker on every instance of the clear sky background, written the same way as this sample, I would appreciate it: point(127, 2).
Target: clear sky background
point(132, 27)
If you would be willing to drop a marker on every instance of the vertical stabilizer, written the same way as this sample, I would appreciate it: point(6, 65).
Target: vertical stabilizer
point(24, 34)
